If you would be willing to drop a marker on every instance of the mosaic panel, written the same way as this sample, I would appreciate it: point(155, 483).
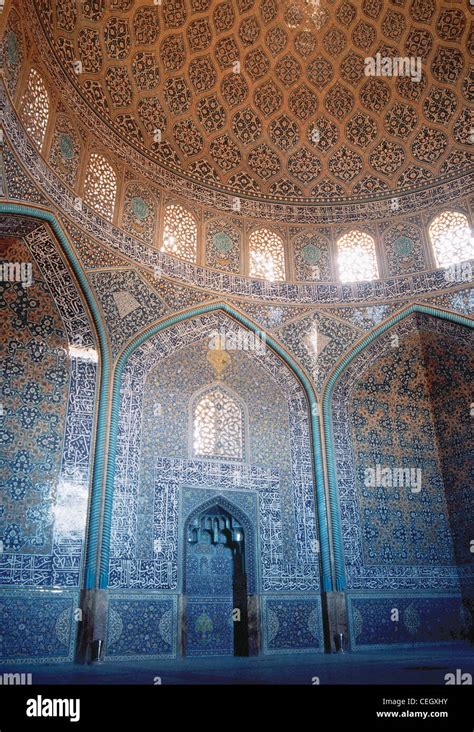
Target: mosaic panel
point(292, 625)
point(461, 301)
point(269, 317)
point(403, 246)
point(12, 50)
point(139, 211)
point(133, 492)
point(40, 627)
point(17, 183)
point(66, 149)
point(140, 626)
point(317, 342)
point(223, 241)
point(209, 629)
point(51, 464)
point(312, 258)
point(422, 619)
point(450, 397)
point(127, 303)
point(33, 408)
point(394, 537)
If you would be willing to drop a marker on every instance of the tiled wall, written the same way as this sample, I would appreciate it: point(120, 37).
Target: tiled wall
point(158, 482)
point(47, 406)
point(404, 403)
point(38, 626)
point(405, 619)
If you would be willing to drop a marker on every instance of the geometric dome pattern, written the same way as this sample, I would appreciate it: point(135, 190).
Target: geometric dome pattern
point(264, 98)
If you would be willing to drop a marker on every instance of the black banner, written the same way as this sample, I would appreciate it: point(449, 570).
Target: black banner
point(236, 706)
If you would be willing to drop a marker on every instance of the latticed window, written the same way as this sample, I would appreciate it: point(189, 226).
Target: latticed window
point(100, 185)
point(267, 255)
point(35, 108)
point(356, 258)
point(218, 425)
point(179, 233)
point(451, 238)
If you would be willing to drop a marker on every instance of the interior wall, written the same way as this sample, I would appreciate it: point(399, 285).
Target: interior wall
point(47, 408)
point(449, 366)
point(158, 483)
point(400, 541)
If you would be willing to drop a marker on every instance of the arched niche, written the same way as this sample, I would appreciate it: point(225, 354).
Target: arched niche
point(49, 417)
point(400, 532)
point(151, 562)
point(219, 580)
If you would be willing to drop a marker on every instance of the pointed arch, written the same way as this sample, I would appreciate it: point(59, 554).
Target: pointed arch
point(94, 516)
point(242, 418)
point(228, 505)
point(334, 516)
point(313, 418)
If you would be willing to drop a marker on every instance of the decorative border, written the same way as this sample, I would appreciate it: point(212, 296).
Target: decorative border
point(327, 418)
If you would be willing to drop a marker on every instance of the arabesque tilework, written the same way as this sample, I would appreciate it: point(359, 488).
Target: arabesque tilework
point(403, 404)
point(159, 382)
point(403, 401)
point(48, 404)
point(385, 416)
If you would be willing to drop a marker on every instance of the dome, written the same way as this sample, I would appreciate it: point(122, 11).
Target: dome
point(277, 102)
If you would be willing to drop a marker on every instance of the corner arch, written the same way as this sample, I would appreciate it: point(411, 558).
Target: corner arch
point(313, 417)
point(334, 517)
point(93, 526)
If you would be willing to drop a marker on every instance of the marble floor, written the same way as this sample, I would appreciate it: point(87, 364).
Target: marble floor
point(401, 666)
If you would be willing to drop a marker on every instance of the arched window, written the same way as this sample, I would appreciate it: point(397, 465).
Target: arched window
point(451, 238)
point(35, 108)
point(218, 425)
point(356, 258)
point(267, 255)
point(179, 233)
point(100, 185)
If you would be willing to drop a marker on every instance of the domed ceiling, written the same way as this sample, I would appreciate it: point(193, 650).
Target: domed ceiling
point(270, 99)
